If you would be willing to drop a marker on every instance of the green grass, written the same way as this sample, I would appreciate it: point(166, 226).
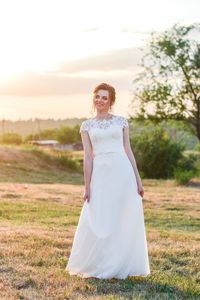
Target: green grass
point(18, 173)
point(38, 223)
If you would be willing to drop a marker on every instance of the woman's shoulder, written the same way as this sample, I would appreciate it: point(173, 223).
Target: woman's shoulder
point(85, 125)
point(123, 121)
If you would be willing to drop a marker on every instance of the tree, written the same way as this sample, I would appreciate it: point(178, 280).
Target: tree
point(169, 86)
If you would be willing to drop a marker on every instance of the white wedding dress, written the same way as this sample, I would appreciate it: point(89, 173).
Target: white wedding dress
point(110, 238)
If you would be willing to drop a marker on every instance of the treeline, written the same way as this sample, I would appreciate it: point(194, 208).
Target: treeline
point(64, 135)
point(35, 125)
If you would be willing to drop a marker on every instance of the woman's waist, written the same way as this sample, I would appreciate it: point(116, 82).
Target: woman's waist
point(105, 152)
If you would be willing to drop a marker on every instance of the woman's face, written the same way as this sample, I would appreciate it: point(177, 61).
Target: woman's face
point(101, 100)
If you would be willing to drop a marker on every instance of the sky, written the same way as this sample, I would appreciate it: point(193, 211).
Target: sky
point(54, 53)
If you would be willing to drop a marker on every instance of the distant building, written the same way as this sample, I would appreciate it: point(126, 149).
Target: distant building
point(44, 142)
point(55, 145)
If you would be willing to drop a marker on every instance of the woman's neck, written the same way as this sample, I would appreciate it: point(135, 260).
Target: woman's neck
point(103, 115)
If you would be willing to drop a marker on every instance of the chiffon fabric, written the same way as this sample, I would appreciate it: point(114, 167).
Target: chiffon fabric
point(110, 238)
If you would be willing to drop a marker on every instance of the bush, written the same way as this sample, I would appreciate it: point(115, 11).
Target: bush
point(69, 163)
point(156, 155)
point(67, 134)
point(182, 177)
point(185, 169)
point(45, 134)
point(11, 138)
point(197, 148)
point(187, 163)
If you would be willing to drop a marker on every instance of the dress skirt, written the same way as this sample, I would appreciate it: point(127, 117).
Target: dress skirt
point(110, 238)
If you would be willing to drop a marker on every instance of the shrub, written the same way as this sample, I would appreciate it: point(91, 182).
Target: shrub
point(69, 163)
point(67, 134)
point(187, 163)
point(197, 148)
point(155, 153)
point(185, 169)
point(182, 177)
point(11, 138)
point(45, 134)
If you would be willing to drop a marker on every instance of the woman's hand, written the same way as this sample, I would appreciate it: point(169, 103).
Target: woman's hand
point(86, 195)
point(140, 188)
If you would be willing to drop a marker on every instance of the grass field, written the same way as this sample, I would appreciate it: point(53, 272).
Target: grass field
point(37, 226)
point(38, 222)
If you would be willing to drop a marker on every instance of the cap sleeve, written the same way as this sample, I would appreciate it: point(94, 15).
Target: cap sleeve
point(84, 126)
point(124, 122)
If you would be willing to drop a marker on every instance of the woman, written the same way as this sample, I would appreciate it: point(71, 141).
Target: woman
point(110, 239)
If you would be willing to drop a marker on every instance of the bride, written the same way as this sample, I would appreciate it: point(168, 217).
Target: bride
point(110, 238)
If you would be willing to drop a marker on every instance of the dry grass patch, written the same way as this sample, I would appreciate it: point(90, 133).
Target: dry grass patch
point(38, 222)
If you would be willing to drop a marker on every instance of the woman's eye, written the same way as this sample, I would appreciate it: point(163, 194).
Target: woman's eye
point(97, 96)
point(105, 98)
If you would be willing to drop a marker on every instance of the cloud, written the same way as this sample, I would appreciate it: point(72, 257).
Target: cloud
point(76, 77)
point(121, 59)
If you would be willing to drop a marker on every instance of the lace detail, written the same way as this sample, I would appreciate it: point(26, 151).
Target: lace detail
point(103, 124)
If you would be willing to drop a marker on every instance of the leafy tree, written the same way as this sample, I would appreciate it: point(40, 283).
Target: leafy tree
point(169, 85)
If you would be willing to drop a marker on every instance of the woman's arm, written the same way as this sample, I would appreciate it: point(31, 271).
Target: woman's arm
point(129, 152)
point(88, 158)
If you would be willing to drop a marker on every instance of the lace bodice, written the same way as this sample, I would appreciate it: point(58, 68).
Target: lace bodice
point(105, 135)
point(103, 124)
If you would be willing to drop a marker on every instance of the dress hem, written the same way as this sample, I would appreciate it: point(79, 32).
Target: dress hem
point(84, 275)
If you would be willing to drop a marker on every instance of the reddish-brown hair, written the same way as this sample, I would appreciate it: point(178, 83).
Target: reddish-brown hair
point(106, 87)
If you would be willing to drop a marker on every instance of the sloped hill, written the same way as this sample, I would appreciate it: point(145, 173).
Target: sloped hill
point(31, 164)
